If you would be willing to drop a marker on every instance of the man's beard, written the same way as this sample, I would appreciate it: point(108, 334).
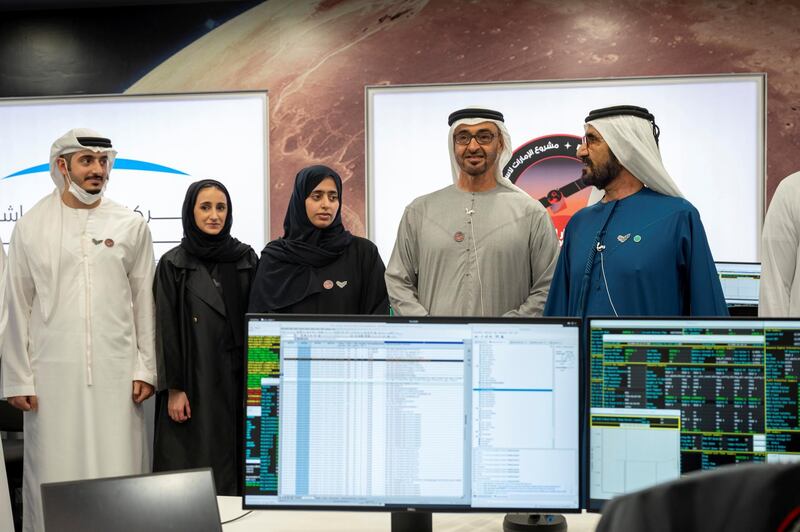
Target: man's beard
point(601, 176)
point(474, 171)
point(97, 191)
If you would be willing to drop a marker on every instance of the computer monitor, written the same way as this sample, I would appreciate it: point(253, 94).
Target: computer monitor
point(740, 282)
point(670, 396)
point(159, 502)
point(431, 414)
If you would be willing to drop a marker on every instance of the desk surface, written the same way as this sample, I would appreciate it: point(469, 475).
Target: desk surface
point(304, 521)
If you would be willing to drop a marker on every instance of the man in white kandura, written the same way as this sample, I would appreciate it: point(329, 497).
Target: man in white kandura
point(479, 247)
point(6, 519)
point(79, 353)
point(779, 294)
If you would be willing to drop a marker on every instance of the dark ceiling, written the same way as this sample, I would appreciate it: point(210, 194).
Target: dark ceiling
point(52, 48)
point(30, 5)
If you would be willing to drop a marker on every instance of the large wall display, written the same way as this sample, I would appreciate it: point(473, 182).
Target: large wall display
point(164, 143)
point(712, 142)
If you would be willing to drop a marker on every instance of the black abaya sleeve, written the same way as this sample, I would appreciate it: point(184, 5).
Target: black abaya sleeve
point(169, 354)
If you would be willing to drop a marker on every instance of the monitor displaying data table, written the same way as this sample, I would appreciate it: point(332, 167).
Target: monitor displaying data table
point(740, 282)
point(389, 413)
point(670, 396)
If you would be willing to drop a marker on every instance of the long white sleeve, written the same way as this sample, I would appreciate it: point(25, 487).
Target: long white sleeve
point(780, 242)
point(6, 517)
point(16, 377)
point(141, 281)
point(544, 250)
point(403, 268)
point(3, 312)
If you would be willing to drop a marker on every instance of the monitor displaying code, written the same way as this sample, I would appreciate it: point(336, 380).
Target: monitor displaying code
point(425, 413)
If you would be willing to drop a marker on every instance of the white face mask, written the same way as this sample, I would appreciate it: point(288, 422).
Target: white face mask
point(84, 197)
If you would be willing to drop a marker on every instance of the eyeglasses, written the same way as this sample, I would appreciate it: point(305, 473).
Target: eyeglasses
point(590, 139)
point(483, 137)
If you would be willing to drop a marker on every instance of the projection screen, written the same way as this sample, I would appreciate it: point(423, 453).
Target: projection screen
point(164, 143)
point(712, 142)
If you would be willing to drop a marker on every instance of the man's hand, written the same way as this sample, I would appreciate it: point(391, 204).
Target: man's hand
point(178, 406)
point(141, 391)
point(25, 403)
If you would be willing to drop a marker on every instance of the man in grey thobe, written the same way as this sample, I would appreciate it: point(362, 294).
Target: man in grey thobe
point(479, 247)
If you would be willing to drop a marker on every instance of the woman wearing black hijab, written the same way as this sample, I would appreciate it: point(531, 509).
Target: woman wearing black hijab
point(318, 267)
point(201, 290)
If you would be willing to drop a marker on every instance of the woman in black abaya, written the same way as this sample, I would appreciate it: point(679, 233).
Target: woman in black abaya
point(201, 290)
point(318, 267)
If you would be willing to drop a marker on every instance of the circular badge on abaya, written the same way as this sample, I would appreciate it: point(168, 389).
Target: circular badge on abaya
point(328, 284)
point(459, 236)
point(109, 243)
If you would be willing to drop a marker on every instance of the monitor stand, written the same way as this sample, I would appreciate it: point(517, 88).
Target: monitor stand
point(534, 523)
point(405, 521)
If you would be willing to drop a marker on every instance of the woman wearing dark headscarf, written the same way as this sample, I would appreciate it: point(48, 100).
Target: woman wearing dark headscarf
point(201, 289)
point(318, 267)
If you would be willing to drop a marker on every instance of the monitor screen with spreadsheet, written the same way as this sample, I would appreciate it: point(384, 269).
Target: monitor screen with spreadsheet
point(740, 282)
point(385, 413)
point(670, 396)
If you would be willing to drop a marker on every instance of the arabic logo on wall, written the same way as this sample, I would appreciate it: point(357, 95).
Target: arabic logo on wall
point(548, 169)
point(119, 164)
point(15, 212)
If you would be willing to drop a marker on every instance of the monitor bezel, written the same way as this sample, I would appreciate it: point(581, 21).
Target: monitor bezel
point(596, 505)
point(576, 322)
point(741, 263)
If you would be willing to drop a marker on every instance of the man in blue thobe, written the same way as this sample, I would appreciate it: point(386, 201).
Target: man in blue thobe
point(641, 250)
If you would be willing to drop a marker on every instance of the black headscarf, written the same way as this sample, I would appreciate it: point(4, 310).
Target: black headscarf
point(286, 271)
point(221, 248)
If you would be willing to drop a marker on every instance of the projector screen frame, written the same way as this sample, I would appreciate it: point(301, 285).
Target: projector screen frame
point(261, 94)
point(371, 91)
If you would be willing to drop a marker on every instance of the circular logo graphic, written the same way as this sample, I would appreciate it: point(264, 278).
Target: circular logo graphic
point(109, 243)
point(328, 284)
point(548, 169)
point(459, 236)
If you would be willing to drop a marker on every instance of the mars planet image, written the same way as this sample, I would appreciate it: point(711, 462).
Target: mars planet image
point(316, 57)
